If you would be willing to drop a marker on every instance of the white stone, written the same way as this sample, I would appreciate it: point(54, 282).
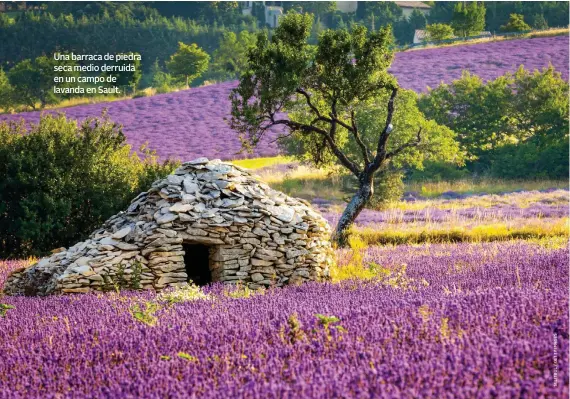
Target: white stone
point(108, 241)
point(190, 187)
point(122, 233)
point(167, 217)
point(180, 208)
point(197, 161)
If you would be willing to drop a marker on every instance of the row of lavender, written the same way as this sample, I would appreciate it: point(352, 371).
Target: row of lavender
point(454, 338)
point(193, 123)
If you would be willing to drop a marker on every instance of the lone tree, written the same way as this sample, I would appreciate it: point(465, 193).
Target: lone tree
point(335, 94)
point(190, 61)
point(33, 81)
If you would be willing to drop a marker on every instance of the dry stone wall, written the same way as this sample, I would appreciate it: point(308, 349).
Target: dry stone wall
point(254, 235)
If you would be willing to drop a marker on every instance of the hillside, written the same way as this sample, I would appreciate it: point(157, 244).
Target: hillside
point(192, 123)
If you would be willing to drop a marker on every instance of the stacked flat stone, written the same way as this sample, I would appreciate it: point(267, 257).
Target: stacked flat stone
point(256, 235)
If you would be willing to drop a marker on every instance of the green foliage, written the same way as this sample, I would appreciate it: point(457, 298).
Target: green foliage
point(33, 34)
point(438, 171)
point(417, 19)
point(438, 141)
point(317, 8)
point(135, 280)
point(186, 356)
point(230, 58)
point(4, 309)
point(382, 12)
point(388, 187)
point(33, 82)
point(190, 61)
point(525, 107)
point(243, 291)
point(146, 314)
point(59, 181)
point(539, 22)
point(516, 24)
point(328, 322)
point(5, 91)
point(286, 63)
point(542, 13)
point(160, 79)
point(436, 32)
point(187, 293)
point(404, 29)
point(529, 159)
point(468, 19)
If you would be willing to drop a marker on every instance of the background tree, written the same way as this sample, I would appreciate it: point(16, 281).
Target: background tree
point(417, 19)
point(516, 24)
point(539, 22)
point(385, 12)
point(441, 11)
point(33, 82)
point(405, 29)
point(468, 19)
point(437, 32)
point(327, 90)
point(190, 61)
point(230, 58)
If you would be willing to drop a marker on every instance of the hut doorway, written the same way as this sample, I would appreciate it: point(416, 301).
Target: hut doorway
point(197, 263)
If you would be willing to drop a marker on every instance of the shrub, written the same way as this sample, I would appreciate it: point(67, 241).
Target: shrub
point(438, 171)
point(437, 32)
point(516, 24)
point(60, 180)
point(526, 109)
point(388, 187)
point(529, 159)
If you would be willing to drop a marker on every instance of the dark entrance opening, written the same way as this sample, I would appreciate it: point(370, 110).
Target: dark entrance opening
point(197, 262)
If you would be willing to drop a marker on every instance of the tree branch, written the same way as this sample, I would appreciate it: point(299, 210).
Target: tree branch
point(365, 151)
point(383, 139)
point(311, 105)
point(411, 143)
point(346, 162)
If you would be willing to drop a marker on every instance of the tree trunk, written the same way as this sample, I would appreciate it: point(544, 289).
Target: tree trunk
point(353, 209)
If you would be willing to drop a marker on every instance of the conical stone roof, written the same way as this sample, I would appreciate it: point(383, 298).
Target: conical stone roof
point(253, 234)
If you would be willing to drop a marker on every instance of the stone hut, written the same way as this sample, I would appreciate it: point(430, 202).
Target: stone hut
point(208, 221)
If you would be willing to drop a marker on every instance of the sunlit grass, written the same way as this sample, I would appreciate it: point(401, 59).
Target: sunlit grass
point(309, 182)
point(258, 163)
point(416, 233)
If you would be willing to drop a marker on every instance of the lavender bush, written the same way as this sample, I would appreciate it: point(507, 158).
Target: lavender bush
point(192, 123)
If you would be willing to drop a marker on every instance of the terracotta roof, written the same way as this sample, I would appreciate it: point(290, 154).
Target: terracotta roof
point(412, 4)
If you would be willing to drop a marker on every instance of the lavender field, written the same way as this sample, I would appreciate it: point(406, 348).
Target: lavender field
point(192, 123)
point(443, 329)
